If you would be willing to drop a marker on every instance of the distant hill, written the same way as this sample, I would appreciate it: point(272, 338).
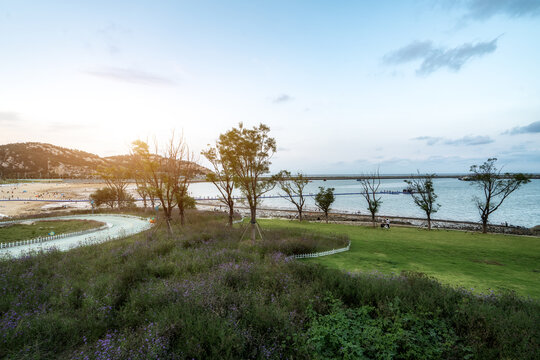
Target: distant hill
point(33, 160)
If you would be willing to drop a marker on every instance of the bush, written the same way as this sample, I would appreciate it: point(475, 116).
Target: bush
point(367, 333)
point(291, 242)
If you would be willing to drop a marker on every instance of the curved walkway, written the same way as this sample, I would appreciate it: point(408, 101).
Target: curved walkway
point(118, 226)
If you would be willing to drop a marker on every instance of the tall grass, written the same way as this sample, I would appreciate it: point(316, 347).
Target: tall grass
point(205, 294)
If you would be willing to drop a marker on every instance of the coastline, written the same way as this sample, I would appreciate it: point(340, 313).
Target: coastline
point(79, 190)
point(365, 220)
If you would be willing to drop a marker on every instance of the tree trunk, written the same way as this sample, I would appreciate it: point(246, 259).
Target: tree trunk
point(144, 202)
point(253, 224)
point(373, 219)
point(231, 215)
point(300, 215)
point(169, 226)
point(484, 225)
point(326, 216)
point(429, 222)
point(182, 215)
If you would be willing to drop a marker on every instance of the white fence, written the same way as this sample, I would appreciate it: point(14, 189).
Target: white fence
point(319, 254)
point(52, 237)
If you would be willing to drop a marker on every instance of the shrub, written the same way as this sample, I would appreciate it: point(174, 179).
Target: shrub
point(366, 333)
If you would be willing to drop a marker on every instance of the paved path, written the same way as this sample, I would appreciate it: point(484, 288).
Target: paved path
point(119, 226)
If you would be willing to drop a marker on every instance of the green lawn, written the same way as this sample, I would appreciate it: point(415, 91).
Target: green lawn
point(43, 228)
point(470, 260)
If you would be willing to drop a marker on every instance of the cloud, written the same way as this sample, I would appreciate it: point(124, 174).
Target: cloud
point(7, 117)
point(464, 141)
point(130, 76)
point(434, 58)
point(485, 9)
point(413, 51)
point(111, 34)
point(430, 140)
point(528, 129)
point(282, 98)
point(470, 141)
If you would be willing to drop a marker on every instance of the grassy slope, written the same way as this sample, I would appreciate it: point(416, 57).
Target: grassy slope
point(204, 294)
point(458, 258)
point(43, 228)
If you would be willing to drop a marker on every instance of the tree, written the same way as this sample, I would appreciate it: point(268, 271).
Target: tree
point(142, 191)
point(109, 196)
point(248, 153)
point(167, 176)
point(371, 184)
point(104, 196)
point(423, 194)
point(184, 202)
point(496, 187)
point(143, 165)
point(139, 177)
point(221, 177)
point(294, 189)
point(116, 178)
point(187, 172)
point(324, 199)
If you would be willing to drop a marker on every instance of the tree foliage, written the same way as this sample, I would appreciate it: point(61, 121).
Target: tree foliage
point(324, 200)
point(496, 187)
point(139, 176)
point(117, 179)
point(423, 194)
point(108, 196)
point(248, 152)
point(104, 196)
point(293, 187)
point(166, 175)
point(222, 177)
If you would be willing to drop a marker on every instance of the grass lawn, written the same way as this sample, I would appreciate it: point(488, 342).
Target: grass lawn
point(470, 260)
point(43, 228)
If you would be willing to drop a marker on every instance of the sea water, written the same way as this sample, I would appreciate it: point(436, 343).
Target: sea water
point(456, 197)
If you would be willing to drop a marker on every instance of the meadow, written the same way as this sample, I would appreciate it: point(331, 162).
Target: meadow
point(205, 294)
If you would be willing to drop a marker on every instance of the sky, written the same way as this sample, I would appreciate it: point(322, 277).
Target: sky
point(346, 87)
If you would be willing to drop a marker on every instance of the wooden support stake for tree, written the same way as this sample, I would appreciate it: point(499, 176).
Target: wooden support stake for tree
point(259, 229)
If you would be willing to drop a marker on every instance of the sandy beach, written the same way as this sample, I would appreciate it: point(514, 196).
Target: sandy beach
point(43, 191)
